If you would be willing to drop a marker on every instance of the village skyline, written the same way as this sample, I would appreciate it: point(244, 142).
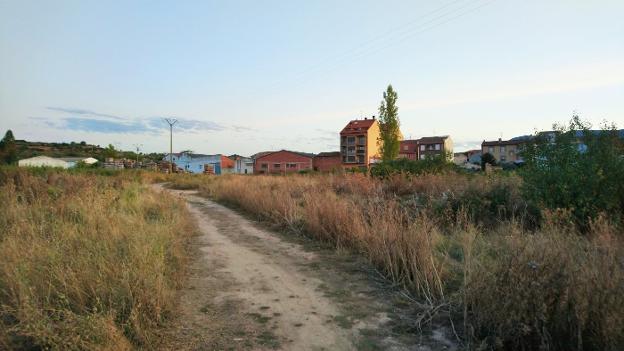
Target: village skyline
point(243, 78)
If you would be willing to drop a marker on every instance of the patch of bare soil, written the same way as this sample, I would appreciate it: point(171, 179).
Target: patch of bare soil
point(252, 288)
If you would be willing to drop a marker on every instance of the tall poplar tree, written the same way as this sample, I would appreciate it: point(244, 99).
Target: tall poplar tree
point(389, 139)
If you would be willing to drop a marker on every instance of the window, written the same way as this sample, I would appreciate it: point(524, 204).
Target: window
point(291, 165)
point(264, 166)
point(422, 157)
point(437, 147)
point(351, 159)
point(405, 147)
point(422, 147)
point(491, 149)
point(502, 149)
point(350, 140)
point(503, 158)
point(362, 140)
point(276, 165)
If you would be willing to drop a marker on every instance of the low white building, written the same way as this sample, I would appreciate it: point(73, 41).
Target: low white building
point(243, 165)
point(63, 162)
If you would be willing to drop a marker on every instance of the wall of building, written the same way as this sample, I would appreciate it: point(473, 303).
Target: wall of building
point(503, 152)
point(448, 148)
point(282, 162)
point(198, 164)
point(373, 152)
point(43, 161)
point(244, 165)
point(326, 163)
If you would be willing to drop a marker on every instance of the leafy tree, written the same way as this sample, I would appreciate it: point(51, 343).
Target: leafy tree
point(389, 139)
point(578, 169)
point(487, 158)
point(8, 150)
point(110, 151)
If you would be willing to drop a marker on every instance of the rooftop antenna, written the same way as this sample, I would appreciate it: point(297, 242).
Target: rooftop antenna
point(171, 122)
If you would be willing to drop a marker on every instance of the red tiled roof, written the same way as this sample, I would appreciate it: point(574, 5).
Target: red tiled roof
point(432, 139)
point(265, 153)
point(357, 126)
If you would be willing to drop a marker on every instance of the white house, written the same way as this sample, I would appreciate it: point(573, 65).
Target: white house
point(62, 162)
point(242, 164)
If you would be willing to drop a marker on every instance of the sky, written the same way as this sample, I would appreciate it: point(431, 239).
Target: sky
point(249, 76)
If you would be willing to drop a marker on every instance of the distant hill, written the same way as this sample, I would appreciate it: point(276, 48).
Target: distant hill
point(26, 149)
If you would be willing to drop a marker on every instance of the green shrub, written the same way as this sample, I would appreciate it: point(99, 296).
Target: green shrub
point(429, 165)
point(578, 169)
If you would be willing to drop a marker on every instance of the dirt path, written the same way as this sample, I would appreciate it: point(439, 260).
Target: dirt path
point(250, 289)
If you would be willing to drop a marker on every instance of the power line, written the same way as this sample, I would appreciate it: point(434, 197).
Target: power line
point(375, 39)
point(362, 50)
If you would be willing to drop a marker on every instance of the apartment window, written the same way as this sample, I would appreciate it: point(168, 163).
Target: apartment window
point(502, 149)
point(361, 140)
point(437, 147)
point(350, 140)
point(422, 147)
point(276, 165)
point(351, 159)
point(491, 149)
point(264, 166)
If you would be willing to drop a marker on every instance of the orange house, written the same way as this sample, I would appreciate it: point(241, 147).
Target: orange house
point(359, 145)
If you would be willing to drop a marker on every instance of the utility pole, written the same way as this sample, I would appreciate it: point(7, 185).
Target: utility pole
point(138, 148)
point(171, 122)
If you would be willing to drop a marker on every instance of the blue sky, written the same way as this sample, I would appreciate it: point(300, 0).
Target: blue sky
point(247, 76)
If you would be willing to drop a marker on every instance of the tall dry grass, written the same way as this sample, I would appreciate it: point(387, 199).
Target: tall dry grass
point(515, 277)
point(88, 262)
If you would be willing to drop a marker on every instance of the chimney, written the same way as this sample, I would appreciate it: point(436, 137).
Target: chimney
point(500, 139)
point(365, 118)
point(373, 117)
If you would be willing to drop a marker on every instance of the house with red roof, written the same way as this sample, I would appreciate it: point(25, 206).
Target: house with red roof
point(282, 162)
point(359, 143)
point(434, 146)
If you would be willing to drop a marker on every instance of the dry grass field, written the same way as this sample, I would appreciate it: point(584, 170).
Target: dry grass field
point(508, 275)
point(88, 262)
point(95, 260)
